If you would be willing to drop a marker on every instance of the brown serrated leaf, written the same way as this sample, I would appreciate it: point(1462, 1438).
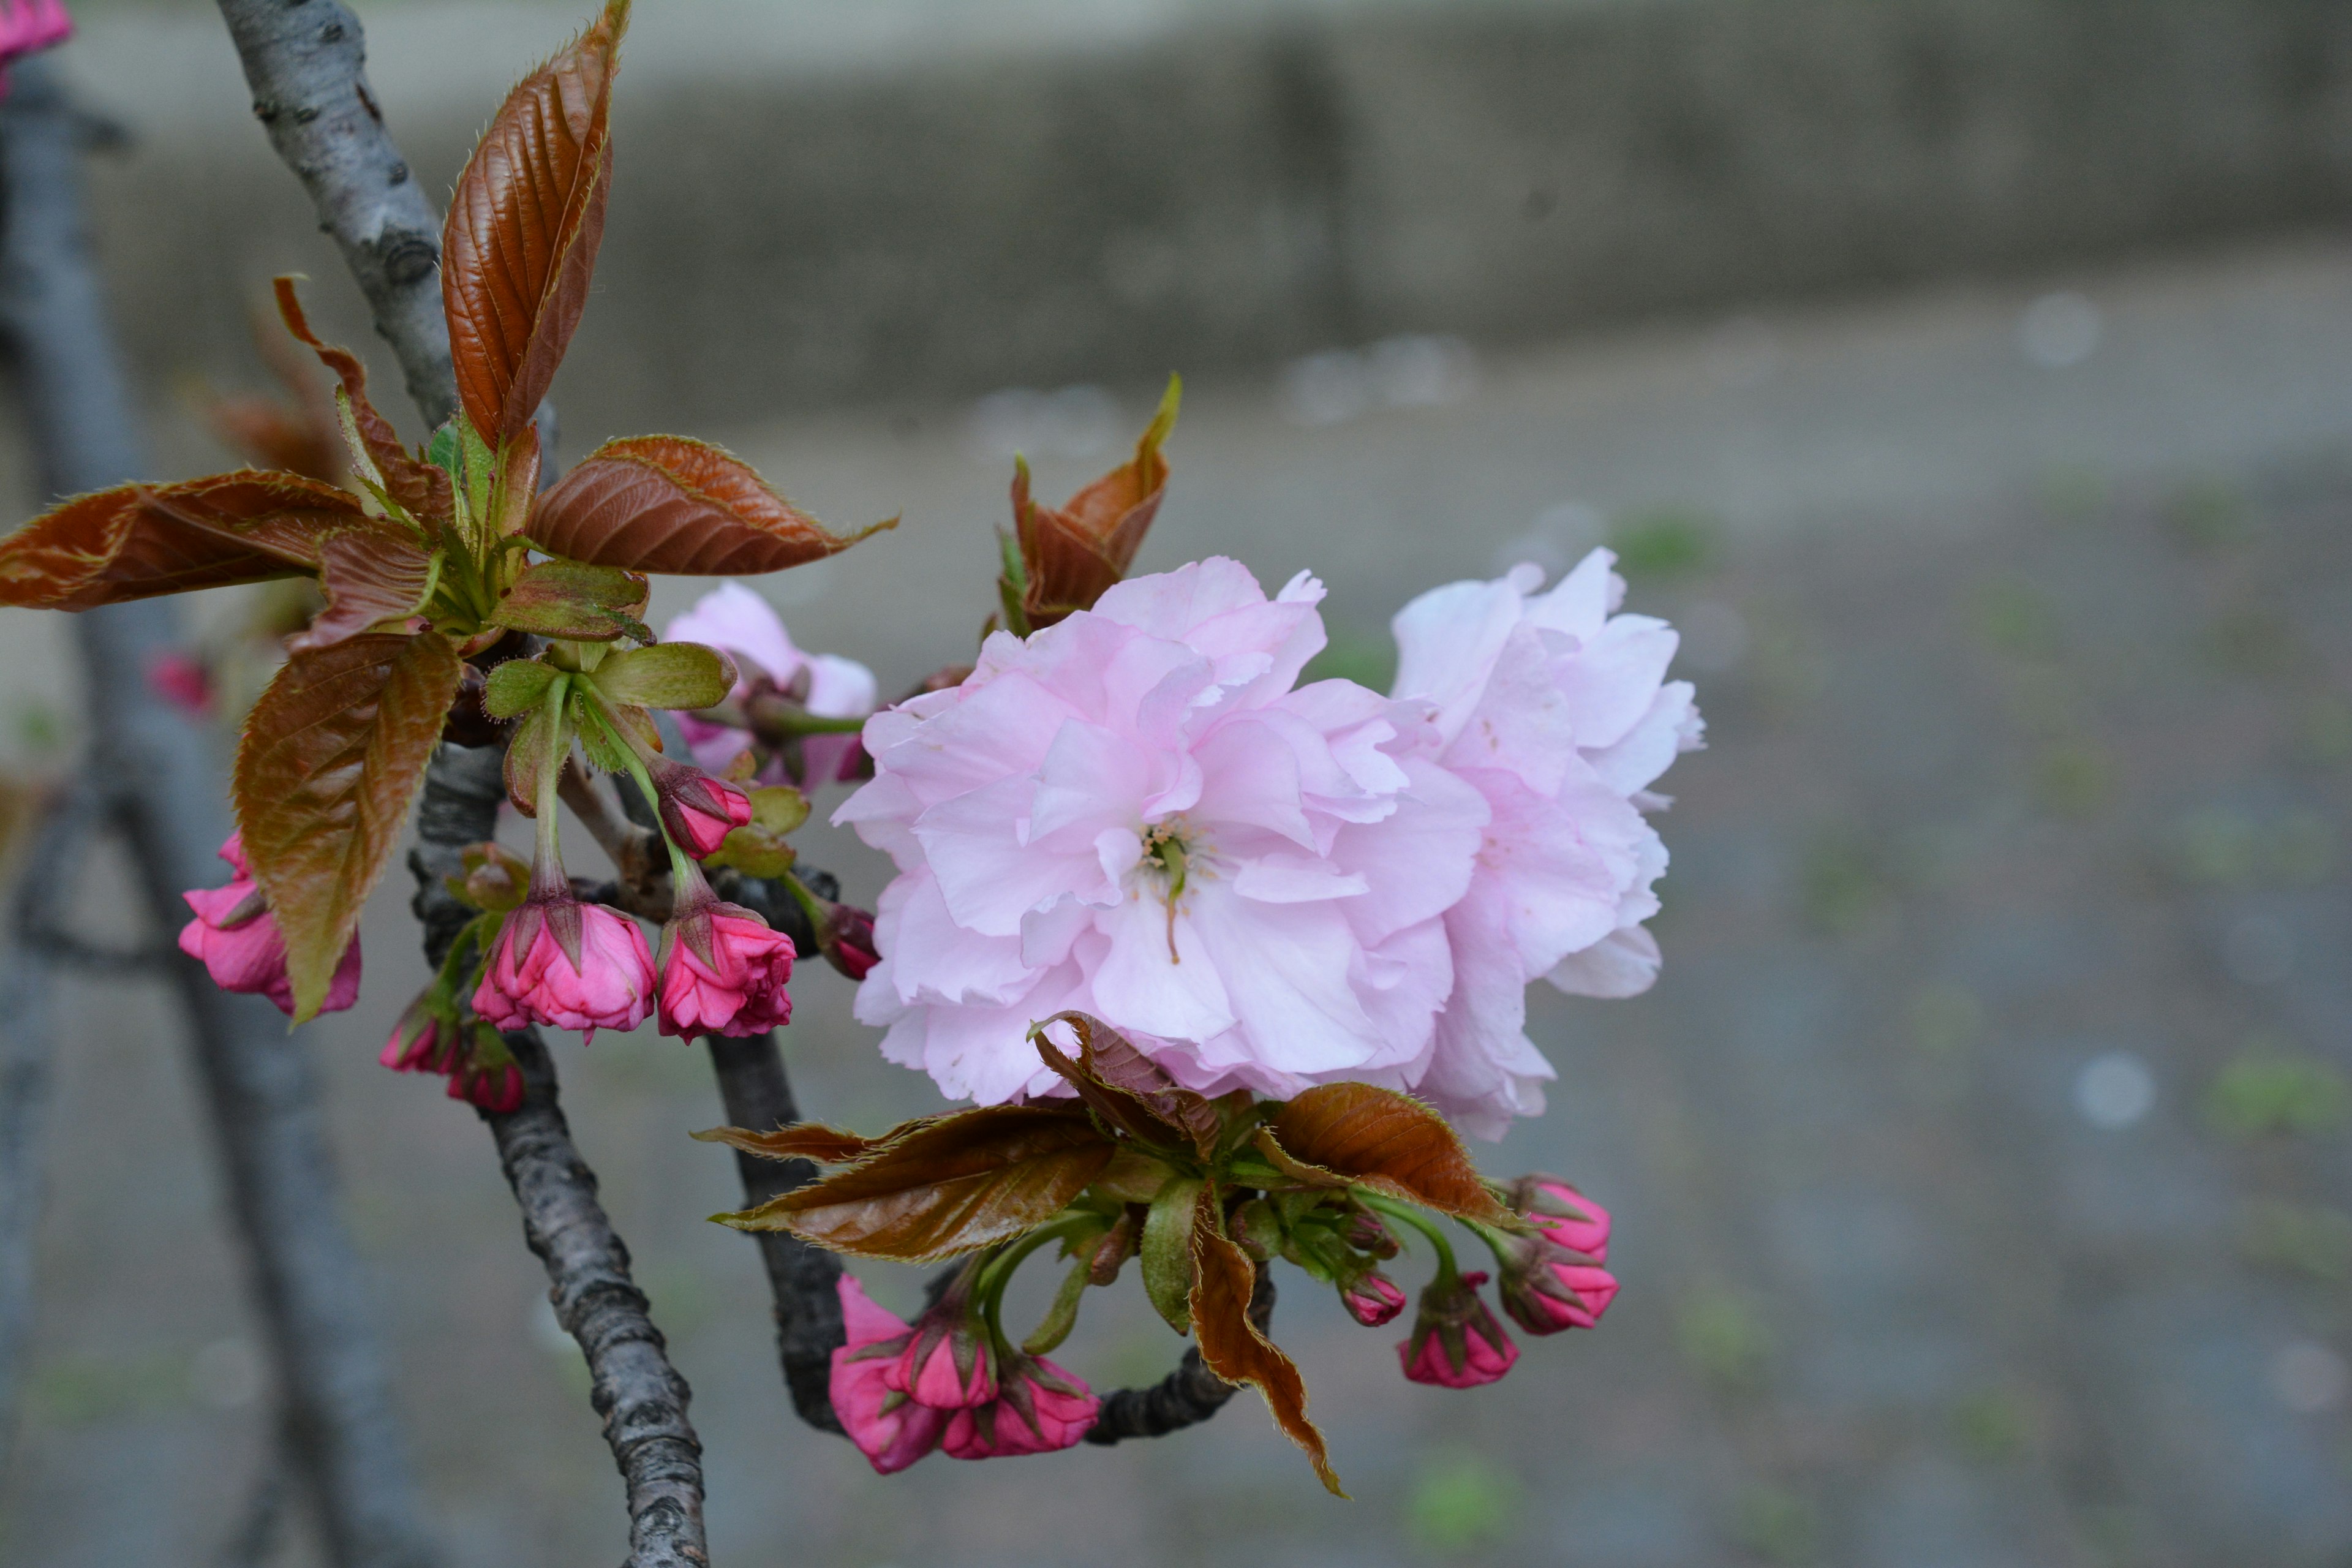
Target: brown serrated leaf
point(1073, 553)
point(421, 486)
point(958, 1182)
point(1232, 1346)
point(134, 542)
point(664, 503)
point(1388, 1141)
point(801, 1140)
point(331, 756)
point(568, 599)
point(369, 577)
point(524, 222)
point(1126, 1088)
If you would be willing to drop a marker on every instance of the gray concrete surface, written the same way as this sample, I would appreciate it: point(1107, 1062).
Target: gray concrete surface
point(845, 203)
point(1950, 1231)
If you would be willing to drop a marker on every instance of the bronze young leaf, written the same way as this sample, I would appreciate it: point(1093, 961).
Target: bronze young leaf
point(419, 486)
point(524, 222)
point(801, 1140)
point(1073, 552)
point(331, 756)
point(1127, 1089)
point(134, 542)
point(1232, 1346)
point(371, 577)
point(664, 503)
point(1388, 1141)
point(959, 1183)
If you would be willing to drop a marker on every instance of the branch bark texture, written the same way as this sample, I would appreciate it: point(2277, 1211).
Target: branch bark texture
point(257, 1080)
point(306, 61)
point(1185, 1397)
point(24, 1082)
point(632, 1385)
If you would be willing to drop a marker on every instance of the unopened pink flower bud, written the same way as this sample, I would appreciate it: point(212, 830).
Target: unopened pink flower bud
point(1372, 1299)
point(422, 1041)
point(848, 940)
point(1455, 1341)
point(947, 1363)
point(237, 938)
point(698, 811)
point(889, 1429)
point(1548, 1288)
point(1566, 1216)
point(182, 680)
point(571, 965)
point(723, 971)
point(1039, 1408)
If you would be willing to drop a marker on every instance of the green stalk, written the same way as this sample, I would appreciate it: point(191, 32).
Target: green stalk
point(1447, 1270)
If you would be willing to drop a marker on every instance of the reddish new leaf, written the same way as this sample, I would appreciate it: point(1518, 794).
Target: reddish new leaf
point(524, 224)
point(423, 487)
point(1389, 1142)
point(1232, 1346)
point(946, 1186)
point(1127, 1089)
point(331, 756)
point(568, 599)
point(801, 1140)
point(134, 542)
point(664, 503)
point(1076, 551)
point(369, 577)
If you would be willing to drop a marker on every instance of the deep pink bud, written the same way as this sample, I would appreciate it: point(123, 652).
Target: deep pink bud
point(849, 940)
point(237, 938)
point(889, 1429)
point(698, 811)
point(1548, 1288)
point(471, 1057)
point(1039, 1409)
point(1372, 1299)
point(183, 680)
point(1566, 1216)
point(947, 1363)
point(722, 970)
point(422, 1041)
point(1457, 1342)
point(492, 1086)
point(558, 962)
point(29, 25)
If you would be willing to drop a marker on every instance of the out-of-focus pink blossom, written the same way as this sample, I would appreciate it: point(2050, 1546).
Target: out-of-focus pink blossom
point(1456, 1340)
point(183, 680)
point(237, 938)
point(848, 940)
point(27, 25)
point(1372, 1299)
point(567, 964)
point(723, 971)
point(1566, 1216)
point(889, 1429)
point(699, 811)
point(478, 1068)
point(732, 617)
point(1039, 1408)
point(1133, 814)
point(1557, 710)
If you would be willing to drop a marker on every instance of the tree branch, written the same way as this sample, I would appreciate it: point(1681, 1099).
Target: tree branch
point(1186, 1396)
point(633, 1387)
point(26, 1054)
point(306, 62)
point(257, 1080)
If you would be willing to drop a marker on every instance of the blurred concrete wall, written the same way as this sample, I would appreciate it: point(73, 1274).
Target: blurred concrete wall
point(925, 200)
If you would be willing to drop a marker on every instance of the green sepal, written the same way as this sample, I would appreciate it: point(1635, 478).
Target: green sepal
point(1167, 1251)
point(573, 600)
point(1063, 1315)
point(758, 847)
point(668, 674)
point(517, 687)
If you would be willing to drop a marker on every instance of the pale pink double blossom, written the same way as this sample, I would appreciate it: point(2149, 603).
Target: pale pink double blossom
point(733, 618)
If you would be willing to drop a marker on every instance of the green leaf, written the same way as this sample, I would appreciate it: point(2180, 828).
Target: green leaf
point(568, 599)
point(527, 755)
point(668, 674)
point(517, 686)
point(1063, 1315)
point(1168, 1251)
point(760, 848)
point(330, 757)
point(950, 1185)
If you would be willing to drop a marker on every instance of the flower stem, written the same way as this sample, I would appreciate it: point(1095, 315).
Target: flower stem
point(1446, 1267)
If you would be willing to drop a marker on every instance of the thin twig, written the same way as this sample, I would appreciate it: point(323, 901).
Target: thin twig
point(257, 1080)
point(640, 1396)
point(306, 61)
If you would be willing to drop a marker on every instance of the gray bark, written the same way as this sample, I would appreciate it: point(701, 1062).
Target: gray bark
point(306, 62)
point(25, 1083)
point(339, 1429)
point(633, 1387)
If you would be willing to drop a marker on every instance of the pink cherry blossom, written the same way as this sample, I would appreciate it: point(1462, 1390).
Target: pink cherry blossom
point(569, 965)
point(732, 617)
point(237, 938)
point(1372, 1299)
point(1565, 1214)
point(27, 25)
point(1134, 813)
point(948, 1363)
point(890, 1429)
point(723, 971)
point(1557, 710)
point(478, 1071)
point(698, 811)
point(1547, 1288)
point(1039, 1408)
point(1455, 1341)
